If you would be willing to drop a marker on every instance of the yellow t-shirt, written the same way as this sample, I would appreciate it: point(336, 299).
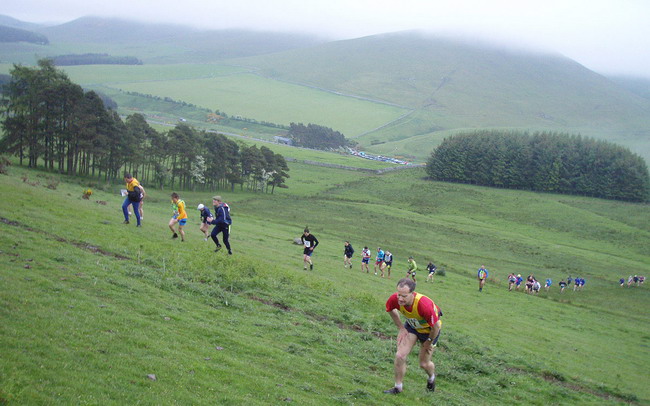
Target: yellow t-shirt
point(182, 214)
point(131, 185)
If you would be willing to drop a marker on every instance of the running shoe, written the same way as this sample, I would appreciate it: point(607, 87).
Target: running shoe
point(431, 386)
point(393, 391)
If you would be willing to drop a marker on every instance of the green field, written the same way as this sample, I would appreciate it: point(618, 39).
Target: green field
point(107, 74)
point(239, 92)
point(90, 306)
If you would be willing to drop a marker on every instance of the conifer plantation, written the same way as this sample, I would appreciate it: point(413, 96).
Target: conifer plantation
point(545, 162)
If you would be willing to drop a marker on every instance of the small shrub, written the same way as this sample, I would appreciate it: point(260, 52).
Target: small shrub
point(87, 193)
point(441, 272)
point(553, 375)
point(4, 164)
point(52, 183)
point(26, 180)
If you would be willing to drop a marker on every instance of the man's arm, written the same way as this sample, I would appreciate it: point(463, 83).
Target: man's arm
point(394, 314)
point(435, 330)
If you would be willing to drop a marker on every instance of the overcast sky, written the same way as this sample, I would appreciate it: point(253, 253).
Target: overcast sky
point(608, 36)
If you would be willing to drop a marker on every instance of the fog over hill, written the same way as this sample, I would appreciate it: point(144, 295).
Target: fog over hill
point(204, 45)
point(413, 68)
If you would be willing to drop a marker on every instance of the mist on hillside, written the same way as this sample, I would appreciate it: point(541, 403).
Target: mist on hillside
point(599, 34)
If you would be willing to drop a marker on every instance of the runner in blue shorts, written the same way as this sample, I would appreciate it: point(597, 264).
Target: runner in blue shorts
point(365, 259)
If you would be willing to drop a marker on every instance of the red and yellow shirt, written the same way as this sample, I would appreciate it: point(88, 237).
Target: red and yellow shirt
point(421, 315)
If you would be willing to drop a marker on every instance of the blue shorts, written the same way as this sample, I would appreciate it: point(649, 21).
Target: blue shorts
point(422, 337)
point(365, 260)
point(182, 222)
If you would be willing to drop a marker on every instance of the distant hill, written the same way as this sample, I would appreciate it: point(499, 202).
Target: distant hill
point(452, 84)
point(164, 43)
point(638, 86)
point(10, 34)
point(14, 23)
point(112, 30)
point(442, 74)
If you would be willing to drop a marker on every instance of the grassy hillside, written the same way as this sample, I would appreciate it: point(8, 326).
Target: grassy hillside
point(248, 95)
point(454, 84)
point(90, 306)
point(639, 86)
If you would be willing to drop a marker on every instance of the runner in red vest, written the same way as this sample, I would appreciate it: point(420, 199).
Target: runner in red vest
point(422, 324)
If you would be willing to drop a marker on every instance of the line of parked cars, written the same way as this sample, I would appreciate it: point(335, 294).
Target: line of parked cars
point(381, 158)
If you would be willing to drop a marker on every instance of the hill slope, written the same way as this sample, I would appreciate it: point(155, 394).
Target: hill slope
point(452, 84)
point(639, 86)
point(90, 307)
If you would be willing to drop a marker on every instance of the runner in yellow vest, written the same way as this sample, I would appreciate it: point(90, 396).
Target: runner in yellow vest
point(422, 324)
point(179, 216)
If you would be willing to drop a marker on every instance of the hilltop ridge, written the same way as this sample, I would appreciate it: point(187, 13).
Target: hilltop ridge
point(190, 44)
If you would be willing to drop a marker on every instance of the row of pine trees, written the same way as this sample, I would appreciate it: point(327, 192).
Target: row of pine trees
point(547, 162)
point(51, 122)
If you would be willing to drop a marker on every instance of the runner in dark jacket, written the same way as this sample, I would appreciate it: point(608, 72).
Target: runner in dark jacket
point(221, 222)
point(347, 255)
